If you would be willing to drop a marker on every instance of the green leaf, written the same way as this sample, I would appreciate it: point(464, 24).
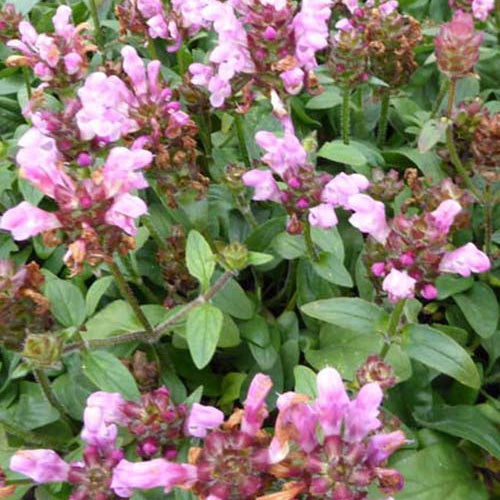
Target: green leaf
point(229, 335)
point(95, 293)
point(480, 307)
point(329, 240)
point(435, 349)
point(109, 374)
point(352, 313)
point(428, 163)
point(66, 301)
point(231, 387)
point(261, 238)
point(289, 246)
point(448, 285)
point(258, 258)
point(342, 153)
point(233, 300)
point(432, 132)
point(329, 98)
point(305, 381)
point(73, 392)
point(200, 259)
point(203, 328)
point(440, 471)
point(331, 268)
point(466, 422)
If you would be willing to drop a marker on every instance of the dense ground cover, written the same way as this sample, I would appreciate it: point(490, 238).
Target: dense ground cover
point(249, 249)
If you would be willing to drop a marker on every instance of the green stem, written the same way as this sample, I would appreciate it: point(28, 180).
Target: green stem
point(129, 296)
point(346, 115)
point(442, 93)
point(392, 326)
point(97, 25)
point(246, 211)
point(311, 250)
point(488, 226)
point(384, 112)
point(497, 18)
point(153, 232)
point(137, 279)
point(180, 62)
point(240, 131)
point(27, 82)
point(44, 383)
point(451, 97)
point(159, 330)
point(152, 49)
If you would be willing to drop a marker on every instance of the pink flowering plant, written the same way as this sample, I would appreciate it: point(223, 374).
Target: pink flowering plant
point(249, 250)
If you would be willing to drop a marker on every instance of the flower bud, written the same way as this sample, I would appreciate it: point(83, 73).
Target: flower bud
point(235, 256)
point(43, 349)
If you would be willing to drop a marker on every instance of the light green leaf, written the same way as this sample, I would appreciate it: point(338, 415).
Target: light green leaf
point(305, 381)
point(258, 258)
point(200, 259)
point(435, 349)
point(331, 268)
point(109, 374)
point(95, 293)
point(203, 328)
point(289, 246)
point(233, 300)
point(342, 153)
point(66, 301)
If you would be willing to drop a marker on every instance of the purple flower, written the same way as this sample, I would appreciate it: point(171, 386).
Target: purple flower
point(323, 216)
point(202, 418)
point(369, 216)
point(96, 431)
point(293, 80)
point(445, 214)
point(382, 446)
point(151, 474)
point(124, 210)
point(481, 9)
point(254, 408)
point(429, 292)
point(111, 405)
point(399, 285)
point(43, 466)
point(26, 220)
point(465, 260)
point(361, 415)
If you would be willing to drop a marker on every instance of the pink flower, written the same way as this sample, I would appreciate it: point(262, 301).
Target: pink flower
point(43, 466)
point(382, 446)
point(293, 80)
point(378, 269)
point(202, 418)
point(284, 156)
point(332, 401)
point(254, 408)
point(26, 220)
point(399, 285)
point(481, 9)
point(388, 7)
point(120, 170)
point(200, 74)
point(190, 12)
point(369, 216)
point(151, 474)
point(361, 416)
point(134, 67)
point(429, 292)
point(72, 63)
point(264, 184)
point(311, 31)
point(220, 90)
point(62, 24)
point(464, 261)
point(341, 187)
point(124, 210)
point(96, 431)
point(445, 214)
point(110, 403)
point(323, 216)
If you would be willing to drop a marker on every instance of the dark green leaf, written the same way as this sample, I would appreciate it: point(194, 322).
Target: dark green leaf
point(330, 268)
point(95, 293)
point(200, 259)
point(342, 153)
point(66, 301)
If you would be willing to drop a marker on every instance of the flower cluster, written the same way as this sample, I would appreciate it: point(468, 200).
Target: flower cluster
point(374, 41)
point(22, 306)
point(94, 206)
point(9, 22)
point(153, 18)
point(61, 58)
point(304, 190)
point(457, 45)
point(415, 248)
point(480, 9)
point(328, 448)
point(264, 44)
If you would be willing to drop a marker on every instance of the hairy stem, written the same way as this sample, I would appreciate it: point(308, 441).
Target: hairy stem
point(129, 296)
point(392, 326)
point(384, 112)
point(311, 250)
point(442, 93)
point(137, 279)
point(240, 131)
point(159, 330)
point(488, 226)
point(97, 25)
point(346, 115)
point(153, 232)
point(245, 210)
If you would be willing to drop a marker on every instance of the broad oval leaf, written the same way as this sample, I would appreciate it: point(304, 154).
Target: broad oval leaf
point(66, 301)
point(435, 349)
point(109, 374)
point(351, 313)
point(95, 293)
point(330, 268)
point(203, 328)
point(342, 153)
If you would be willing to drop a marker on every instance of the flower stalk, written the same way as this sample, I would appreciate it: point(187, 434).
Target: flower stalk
point(384, 112)
point(392, 327)
point(346, 116)
point(97, 25)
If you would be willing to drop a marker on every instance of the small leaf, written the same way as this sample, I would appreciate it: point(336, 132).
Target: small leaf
point(329, 98)
point(258, 258)
point(233, 300)
point(435, 349)
point(289, 246)
point(199, 258)
point(432, 132)
point(466, 422)
point(342, 153)
point(448, 285)
point(66, 301)
point(354, 314)
point(95, 293)
point(305, 381)
point(203, 328)
point(480, 307)
point(109, 374)
point(330, 268)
